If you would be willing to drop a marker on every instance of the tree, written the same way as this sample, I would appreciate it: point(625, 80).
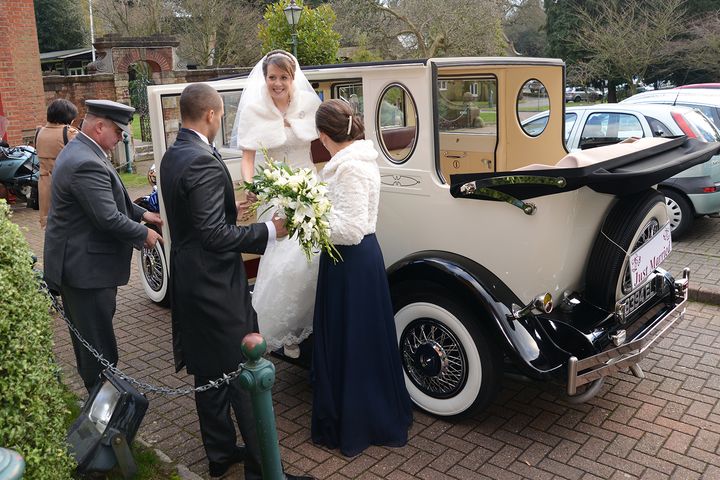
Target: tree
point(218, 32)
point(369, 29)
point(318, 43)
point(624, 39)
point(134, 18)
point(699, 51)
point(60, 25)
point(450, 28)
point(525, 28)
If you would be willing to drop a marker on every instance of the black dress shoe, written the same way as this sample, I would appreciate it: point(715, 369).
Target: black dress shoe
point(298, 477)
point(218, 469)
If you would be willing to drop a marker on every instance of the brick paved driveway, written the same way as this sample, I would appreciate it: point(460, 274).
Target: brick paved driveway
point(667, 426)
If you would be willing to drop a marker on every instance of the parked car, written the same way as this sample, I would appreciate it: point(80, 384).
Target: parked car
point(691, 193)
point(582, 94)
point(707, 100)
point(701, 85)
point(502, 250)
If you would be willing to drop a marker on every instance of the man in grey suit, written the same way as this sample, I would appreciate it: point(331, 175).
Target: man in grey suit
point(92, 228)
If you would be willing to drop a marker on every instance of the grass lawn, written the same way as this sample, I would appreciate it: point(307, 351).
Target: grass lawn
point(133, 179)
point(135, 125)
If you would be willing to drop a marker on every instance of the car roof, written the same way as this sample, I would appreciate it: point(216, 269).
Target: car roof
point(701, 96)
point(650, 109)
point(700, 85)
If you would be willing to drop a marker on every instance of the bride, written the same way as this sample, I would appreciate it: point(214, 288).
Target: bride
point(277, 112)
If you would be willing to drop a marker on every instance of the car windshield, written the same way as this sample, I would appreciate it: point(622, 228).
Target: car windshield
point(702, 125)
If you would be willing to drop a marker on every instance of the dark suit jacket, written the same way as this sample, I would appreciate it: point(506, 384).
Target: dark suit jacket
point(92, 224)
point(211, 308)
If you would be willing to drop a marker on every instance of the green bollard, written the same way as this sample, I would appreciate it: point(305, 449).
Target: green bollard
point(128, 160)
point(12, 465)
point(257, 377)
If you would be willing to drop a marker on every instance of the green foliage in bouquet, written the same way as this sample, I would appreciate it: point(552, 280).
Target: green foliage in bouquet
point(297, 196)
point(32, 411)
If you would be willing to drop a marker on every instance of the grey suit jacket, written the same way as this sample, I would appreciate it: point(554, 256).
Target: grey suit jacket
point(92, 225)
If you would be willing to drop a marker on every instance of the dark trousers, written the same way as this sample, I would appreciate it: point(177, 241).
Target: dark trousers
point(218, 430)
point(91, 310)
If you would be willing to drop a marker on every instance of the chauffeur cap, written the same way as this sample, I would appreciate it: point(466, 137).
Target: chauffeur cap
point(117, 112)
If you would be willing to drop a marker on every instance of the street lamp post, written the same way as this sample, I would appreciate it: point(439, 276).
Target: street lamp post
point(292, 15)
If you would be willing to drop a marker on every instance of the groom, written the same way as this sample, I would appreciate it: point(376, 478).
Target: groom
point(211, 309)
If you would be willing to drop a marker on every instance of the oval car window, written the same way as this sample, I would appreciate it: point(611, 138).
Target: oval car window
point(532, 99)
point(397, 123)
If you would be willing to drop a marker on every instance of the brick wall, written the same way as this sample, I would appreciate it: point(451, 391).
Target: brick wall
point(78, 88)
point(21, 86)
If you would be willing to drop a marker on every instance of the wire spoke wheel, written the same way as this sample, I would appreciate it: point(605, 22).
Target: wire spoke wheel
point(433, 358)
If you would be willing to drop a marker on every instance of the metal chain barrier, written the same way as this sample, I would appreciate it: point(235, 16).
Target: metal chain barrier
point(226, 378)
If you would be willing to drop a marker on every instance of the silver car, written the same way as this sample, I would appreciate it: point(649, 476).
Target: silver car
point(707, 100)
point(693, 192)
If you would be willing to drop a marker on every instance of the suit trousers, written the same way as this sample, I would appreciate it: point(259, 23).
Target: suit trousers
point(217, 428)
point(91, 311)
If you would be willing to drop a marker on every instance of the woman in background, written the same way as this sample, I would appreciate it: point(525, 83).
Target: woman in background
point(49, 141)
point(359, 394)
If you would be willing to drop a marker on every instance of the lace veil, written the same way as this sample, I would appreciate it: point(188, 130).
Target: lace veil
point(255, 92)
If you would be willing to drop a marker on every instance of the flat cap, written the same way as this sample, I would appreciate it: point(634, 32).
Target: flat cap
point(117, 112)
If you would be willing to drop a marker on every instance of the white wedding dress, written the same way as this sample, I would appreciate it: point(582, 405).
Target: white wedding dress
point(284, 293)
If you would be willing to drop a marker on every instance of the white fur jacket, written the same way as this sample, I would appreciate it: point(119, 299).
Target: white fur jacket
point(261, 124)
point(353, 182)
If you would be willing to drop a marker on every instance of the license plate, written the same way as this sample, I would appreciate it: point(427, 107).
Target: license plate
point(637, 298)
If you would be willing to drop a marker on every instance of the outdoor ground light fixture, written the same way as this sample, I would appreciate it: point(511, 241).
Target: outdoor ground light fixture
point(100, 437)
point(292, 15)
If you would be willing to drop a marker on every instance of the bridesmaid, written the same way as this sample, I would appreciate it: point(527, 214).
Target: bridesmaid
point(359, 394)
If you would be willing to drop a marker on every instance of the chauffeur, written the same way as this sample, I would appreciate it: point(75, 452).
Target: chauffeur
point(92, 228)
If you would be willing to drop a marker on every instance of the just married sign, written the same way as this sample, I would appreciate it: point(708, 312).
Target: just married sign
point(651, 254)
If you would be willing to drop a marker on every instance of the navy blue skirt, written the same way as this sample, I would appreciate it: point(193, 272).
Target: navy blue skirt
point(359, 394)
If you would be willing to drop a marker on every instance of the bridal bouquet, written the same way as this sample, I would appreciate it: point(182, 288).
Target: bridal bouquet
point(297, 196)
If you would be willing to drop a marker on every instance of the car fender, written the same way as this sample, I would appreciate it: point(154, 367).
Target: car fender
point(526, 341)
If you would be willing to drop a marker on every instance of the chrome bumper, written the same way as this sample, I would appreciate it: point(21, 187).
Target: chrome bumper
point(629, 354)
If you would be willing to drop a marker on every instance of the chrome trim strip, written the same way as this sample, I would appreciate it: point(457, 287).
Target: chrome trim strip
point(622, 357)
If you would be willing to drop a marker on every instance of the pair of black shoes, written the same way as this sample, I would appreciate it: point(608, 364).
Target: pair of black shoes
point(218, 469)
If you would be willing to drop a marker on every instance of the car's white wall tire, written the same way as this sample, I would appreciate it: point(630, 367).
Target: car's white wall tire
point(482, 362)
point(154, 273)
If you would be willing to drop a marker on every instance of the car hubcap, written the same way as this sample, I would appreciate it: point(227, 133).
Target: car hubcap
point(152, 268)
point(433, 358)
point(674, 212)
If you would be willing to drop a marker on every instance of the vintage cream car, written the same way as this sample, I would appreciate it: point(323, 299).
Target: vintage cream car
point(485, 227)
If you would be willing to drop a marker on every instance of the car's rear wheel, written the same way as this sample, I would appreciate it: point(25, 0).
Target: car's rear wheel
point(154, 273)
point(577, 99)
point(451, 367)
point(630, 223)
point(680, 212)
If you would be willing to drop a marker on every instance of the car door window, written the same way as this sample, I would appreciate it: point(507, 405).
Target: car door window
point(351, 93)
point(658, 128)
point(710, 112)
point(608, 128)
point(397, 123)
point(536, 127)
point(467, 123)
point(570, 119)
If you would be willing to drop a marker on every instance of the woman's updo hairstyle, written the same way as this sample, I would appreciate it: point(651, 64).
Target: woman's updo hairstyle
point(281, 59)
point(336, 119)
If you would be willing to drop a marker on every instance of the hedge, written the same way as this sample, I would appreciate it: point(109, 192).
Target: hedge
point(32, 410)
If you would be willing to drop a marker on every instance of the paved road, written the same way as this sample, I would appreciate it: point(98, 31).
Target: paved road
point(666, 426)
